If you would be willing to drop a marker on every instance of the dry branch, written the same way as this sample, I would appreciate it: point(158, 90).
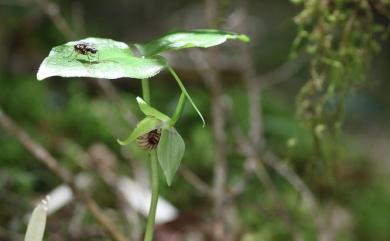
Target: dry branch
point(41, 154)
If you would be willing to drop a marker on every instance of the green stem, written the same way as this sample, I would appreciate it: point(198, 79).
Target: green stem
point(154, 175)
point(146, 90)
point(153, 203)
point(179, 109)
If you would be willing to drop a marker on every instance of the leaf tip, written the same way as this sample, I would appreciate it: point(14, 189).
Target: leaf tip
point(202, 118)
point(244, 38)
point(140, 100)
point(37, 223)
point(122, 143)
point(40, 75)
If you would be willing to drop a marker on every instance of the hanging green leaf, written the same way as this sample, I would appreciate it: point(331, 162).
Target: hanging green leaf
point(150, 111)
point(146, 125)
point(203, 38)
point(170, 151)
point(111, 60)
point(184, 90)
point(37, 223)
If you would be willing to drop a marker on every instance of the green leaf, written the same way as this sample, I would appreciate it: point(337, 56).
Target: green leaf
point(150, 111)
point(203, 38)
point(170, 151)
point(184, 90)
point(144, 126)
point(37, 223)
point(113, 60)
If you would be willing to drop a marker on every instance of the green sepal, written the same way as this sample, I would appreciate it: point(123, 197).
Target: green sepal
point(146, 125)
point(170, 151)
point(150, 111)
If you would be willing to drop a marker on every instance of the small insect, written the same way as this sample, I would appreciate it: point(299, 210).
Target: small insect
point(84, 49)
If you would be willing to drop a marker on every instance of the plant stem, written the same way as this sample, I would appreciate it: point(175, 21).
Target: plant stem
point(179, 109)
point(154, 175)
point(153, 203)
point(146, 90)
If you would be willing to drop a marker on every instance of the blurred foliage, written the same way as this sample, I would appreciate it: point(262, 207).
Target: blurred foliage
point(341, 37)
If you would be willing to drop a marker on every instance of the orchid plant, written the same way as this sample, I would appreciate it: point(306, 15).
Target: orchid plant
point(111, 59)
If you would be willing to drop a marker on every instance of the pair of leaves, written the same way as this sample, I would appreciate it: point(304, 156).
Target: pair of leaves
point(171, 147)
point(115, 59)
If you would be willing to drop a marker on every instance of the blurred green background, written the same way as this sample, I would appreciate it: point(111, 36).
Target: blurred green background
point(70, 117)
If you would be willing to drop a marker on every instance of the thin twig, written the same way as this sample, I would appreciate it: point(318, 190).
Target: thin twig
point(256, 139)
point(254, 100)
point(195, 181)
point(105, 162)
point(299, 185)
point(218, 126)
point(257, 167)
point(53, 165)
point(220, 167)
point(213, 82)
point(283, 73)
point(53, 11)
